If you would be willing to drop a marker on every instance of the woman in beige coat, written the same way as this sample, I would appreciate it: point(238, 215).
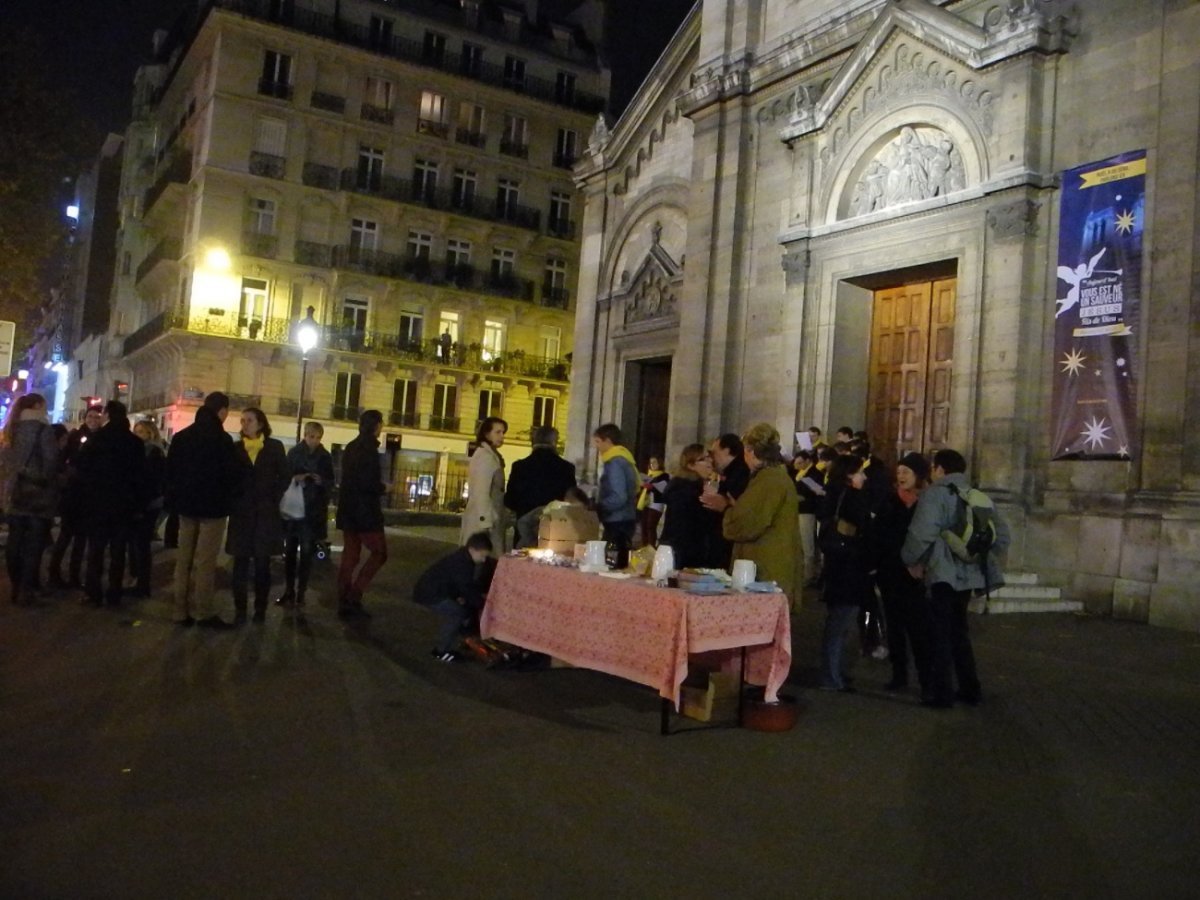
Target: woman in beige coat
point(762, 521)
point(485, 486)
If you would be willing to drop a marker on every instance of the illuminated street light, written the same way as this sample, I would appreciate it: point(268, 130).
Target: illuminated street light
point(307, 335)
point(217, 258)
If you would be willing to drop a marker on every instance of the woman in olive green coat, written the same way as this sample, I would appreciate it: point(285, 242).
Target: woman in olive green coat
point(762, 521)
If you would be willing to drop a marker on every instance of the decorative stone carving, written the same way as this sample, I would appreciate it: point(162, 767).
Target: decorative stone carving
point(653, 298)
point(1013, 221)
point(920, 163)
point(599, 136)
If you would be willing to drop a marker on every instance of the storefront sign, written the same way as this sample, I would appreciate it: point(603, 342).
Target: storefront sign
point(1097, 309)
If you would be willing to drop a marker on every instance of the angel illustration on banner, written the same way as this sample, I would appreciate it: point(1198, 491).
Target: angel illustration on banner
point(1075, 276)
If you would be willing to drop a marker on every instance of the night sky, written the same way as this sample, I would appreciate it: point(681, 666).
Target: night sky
point(94, 46)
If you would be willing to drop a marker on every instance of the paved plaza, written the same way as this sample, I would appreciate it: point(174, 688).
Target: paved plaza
point(142, 760)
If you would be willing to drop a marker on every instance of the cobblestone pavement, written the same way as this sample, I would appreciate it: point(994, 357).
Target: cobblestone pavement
point(142, 760)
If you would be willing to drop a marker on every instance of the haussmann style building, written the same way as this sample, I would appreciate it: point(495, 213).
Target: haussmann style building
point(968, 223)
point(402, 170)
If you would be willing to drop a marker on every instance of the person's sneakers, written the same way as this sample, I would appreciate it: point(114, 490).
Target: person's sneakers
point(446, 656)
point(215, 622)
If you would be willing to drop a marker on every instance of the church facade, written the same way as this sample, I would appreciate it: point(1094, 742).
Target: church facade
point(967, 224)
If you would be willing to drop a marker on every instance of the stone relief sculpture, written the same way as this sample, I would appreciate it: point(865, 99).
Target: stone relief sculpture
point(652, 299)
point(919, 164)
point(598, 139)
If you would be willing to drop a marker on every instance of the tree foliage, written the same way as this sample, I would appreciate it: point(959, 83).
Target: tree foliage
point(43, 141)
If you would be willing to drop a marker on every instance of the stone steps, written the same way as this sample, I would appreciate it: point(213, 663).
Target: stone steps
point(1022, 594)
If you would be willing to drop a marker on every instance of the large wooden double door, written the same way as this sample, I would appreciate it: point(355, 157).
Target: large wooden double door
point(912, 355)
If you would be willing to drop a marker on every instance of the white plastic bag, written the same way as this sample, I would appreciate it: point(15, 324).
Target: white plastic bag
point(292, 504)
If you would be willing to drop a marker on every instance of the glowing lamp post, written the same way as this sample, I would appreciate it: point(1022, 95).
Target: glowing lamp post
point(307, 334)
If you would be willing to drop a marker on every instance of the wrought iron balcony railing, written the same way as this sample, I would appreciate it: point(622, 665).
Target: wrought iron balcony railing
point(267, 165)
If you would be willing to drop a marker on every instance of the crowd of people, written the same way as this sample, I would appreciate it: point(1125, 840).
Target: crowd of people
point(833, 518)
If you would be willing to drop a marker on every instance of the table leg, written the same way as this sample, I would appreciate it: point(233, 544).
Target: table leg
point(664, 727)
point(741, 688)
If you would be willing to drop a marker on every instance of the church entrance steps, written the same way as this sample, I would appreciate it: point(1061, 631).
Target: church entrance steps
point(1021, 593)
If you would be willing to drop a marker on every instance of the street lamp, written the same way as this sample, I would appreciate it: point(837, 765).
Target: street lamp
point(307, 334)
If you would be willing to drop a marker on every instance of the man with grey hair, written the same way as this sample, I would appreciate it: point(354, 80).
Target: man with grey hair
point(533, 482)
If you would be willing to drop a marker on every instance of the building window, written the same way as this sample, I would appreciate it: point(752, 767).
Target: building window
point(554, 285)
point(420, 245)
point(432, 116)
point(514, 72)
point(412, 329)
point(377, 101)
point(458, 253)
point(471, 61)
point(261, 218)
point(445, 406)
point(434, 49)
point(380, 34)
point(448, 325)
point(404, 402)
point(276, 78)
point(470, 125)
point(270, 136)
point(515, 139)
point(566, 148)
point(347, 389)
point(253, 309)
point(560, 214)
point(508, 197)
point(491, 403)
point(550, 341)
point(424, 180)
point(369, 173)
point(364, 235)
point(354, 314)
point(462, 189)
point(545, 412)
point(493, 339)
point(503, 263)
point(564, 87)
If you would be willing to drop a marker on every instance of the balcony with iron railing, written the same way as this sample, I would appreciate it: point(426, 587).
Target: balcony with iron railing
point(280, 90)
point(167, 250)
point(452, 424)
point(317, 175)
point(337, 28)
point(565, 160)
point(176, 172)
point(466, 357)
point(432, 128)
point(267, 164)
point(290, 407)
point(344, 412)
point(555, 297)
point(381, 115)
point(399, 419)
point(328, 102)
point(264, 246)
point(519, 149)
point(560, 228)
point(471, 138)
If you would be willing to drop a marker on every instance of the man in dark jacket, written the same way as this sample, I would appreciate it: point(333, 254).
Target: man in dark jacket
point(311, 467)
point(536, 480)
point(729, 461)
point(201, 474)
point(360, 515)
point(113, 489)
point(451, 588)
point(70, 529)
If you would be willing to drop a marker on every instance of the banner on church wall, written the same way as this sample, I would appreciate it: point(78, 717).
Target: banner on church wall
point(1097, 304)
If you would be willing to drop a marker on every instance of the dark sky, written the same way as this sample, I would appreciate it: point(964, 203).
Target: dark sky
point(94, 46)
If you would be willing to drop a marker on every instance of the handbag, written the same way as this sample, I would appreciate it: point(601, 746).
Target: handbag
point(291, 505)
point(839, 539)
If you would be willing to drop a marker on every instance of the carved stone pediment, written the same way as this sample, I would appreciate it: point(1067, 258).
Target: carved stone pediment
point(919, 163)
point(652, 293)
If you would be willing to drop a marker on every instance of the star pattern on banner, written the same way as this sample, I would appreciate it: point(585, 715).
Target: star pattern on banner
point(1123, 452)
point(1125, 222)
point(1072, 363)
point(1095, 433)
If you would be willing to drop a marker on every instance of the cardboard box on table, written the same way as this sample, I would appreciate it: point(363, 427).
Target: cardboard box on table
point(565, 525)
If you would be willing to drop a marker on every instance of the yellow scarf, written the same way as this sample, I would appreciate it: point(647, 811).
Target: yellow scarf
point(252, 446)
point(618, 450)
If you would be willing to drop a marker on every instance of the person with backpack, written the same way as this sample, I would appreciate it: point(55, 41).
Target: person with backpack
point(953, 543)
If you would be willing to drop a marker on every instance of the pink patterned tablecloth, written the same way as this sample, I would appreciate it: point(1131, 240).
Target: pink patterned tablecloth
point(632, 629)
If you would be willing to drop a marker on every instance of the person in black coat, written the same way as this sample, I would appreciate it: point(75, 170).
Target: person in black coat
point(311, 466)
point(730, 463)
point(112, 483)
point(70, 529)
point(146, 520)
point(540, 478)
point(452, 588)
point(255, 524)
point(201, 475)
point(360, 515)
point(844, 540)
point(688, 528)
